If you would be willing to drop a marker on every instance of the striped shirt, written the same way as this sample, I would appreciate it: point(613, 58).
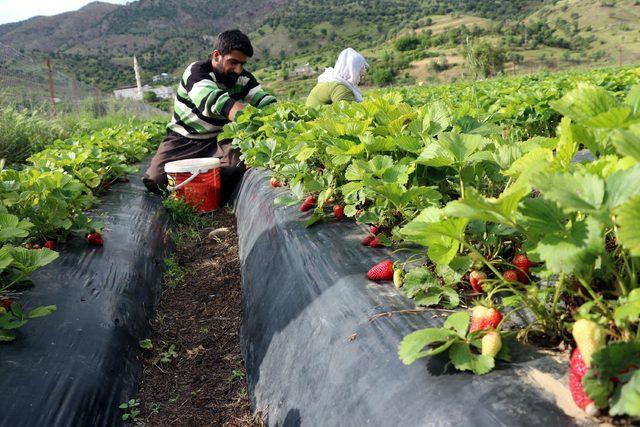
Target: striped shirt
point(202, 104)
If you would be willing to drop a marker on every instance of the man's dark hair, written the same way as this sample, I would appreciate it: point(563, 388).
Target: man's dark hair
point(233, 40)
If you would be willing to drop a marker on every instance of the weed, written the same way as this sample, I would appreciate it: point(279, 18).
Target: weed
point(131, 410)
point(236, 375)
point(174, 274)
point(181, 212)
point(168, 355)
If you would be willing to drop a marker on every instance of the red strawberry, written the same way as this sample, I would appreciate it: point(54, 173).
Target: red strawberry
point(375, 229)
point(522, 277)
point(577, 370)
point(381, 271)
point(275, 183)
point(105, 185)
point(376, 243)
point(6, 303)
point(510, 276)
point(522, 262)
point(484, 318)
point(367, 240)
point(50, 244)
point(309, 203)
point(476, 278)
point(95, 239)
point(338, 212)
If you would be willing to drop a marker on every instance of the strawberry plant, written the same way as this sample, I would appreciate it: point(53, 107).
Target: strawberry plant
point(478, 183)
point(47, 199)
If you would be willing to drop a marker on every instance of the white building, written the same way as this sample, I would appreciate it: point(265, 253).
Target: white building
point(163, 92)
point(160, 77)
point(130, 92)
point(303, 70)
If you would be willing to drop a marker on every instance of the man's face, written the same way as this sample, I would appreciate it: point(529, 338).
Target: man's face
point(229, 66)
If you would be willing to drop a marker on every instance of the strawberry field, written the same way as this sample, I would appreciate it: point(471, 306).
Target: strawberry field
point(44, 204)
point(493, 213)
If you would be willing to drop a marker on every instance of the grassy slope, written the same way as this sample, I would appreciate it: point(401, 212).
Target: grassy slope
point(615, 24)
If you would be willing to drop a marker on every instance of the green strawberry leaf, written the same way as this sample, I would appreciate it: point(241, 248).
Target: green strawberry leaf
point(626, 400)
point(7, 335)
point(464, 360)
point(410, 348)
point(418, 279)
point(629, 225)
point(574, 251)
point(41, 311)
point(618, 189)
point(29, 260)
point(577, 191)
point(597, 389)
point(567, 146)
point(12, 228)
point(458, 322)
point(627, 143)
point(628, 310)
point(585, 102)
point(633, 99)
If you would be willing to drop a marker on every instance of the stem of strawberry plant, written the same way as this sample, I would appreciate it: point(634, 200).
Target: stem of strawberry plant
point(591, 292)
point(498, 274)
point(556, 294)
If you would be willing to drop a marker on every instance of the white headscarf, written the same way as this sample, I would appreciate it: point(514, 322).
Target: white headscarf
point(347, 71)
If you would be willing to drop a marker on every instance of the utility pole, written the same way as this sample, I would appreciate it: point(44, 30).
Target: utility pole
point(51, 92)
point(74, 94)
point(619, 56)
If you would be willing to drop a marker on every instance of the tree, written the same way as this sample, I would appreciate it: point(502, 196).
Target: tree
point(150, 96)
point(485, 59)
point(382, 76)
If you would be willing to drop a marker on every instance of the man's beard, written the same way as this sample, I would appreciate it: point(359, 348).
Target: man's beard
point(228, 79)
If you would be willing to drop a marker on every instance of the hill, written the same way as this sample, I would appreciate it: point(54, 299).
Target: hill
point(405, 41)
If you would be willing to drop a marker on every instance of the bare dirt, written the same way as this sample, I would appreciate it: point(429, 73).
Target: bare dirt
point(202, 381)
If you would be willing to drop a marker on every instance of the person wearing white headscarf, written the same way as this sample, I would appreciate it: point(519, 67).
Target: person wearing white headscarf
point(340, 82)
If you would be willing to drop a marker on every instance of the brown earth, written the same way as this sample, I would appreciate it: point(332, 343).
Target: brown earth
point(203, 382)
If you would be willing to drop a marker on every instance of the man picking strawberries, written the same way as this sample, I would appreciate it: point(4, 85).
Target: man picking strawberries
point(209, 96)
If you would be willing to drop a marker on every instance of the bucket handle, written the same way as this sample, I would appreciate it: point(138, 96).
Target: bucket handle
point(185, 182)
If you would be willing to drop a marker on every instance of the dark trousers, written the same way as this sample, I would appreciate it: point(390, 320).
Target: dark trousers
point(177, 147)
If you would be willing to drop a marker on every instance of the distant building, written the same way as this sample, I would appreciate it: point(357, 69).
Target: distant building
point(160, 77)
point(163, 92)
point(302, 70)
point(131, 92)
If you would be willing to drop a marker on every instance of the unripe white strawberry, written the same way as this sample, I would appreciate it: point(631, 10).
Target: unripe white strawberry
point(491, 344)
point(590, 337)
point(398, 280)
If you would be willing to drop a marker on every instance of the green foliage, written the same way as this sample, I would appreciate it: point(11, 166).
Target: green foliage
point(614, 378)
point(47, 199)
point(406, 43)
point(181, 212)
point(485, 59)
point(382, 76)
point(462, 347)
point(130, 410)
point(474, 176)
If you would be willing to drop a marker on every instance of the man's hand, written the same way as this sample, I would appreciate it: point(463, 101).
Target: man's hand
point(234, 110)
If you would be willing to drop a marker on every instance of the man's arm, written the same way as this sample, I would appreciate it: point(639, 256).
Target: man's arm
point(210, 100)
point(256, 96)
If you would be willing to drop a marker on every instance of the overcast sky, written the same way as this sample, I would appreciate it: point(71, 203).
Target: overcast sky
point(19, 10)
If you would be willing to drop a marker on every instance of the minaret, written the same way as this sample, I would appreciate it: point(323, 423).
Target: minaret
point(136, 69)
